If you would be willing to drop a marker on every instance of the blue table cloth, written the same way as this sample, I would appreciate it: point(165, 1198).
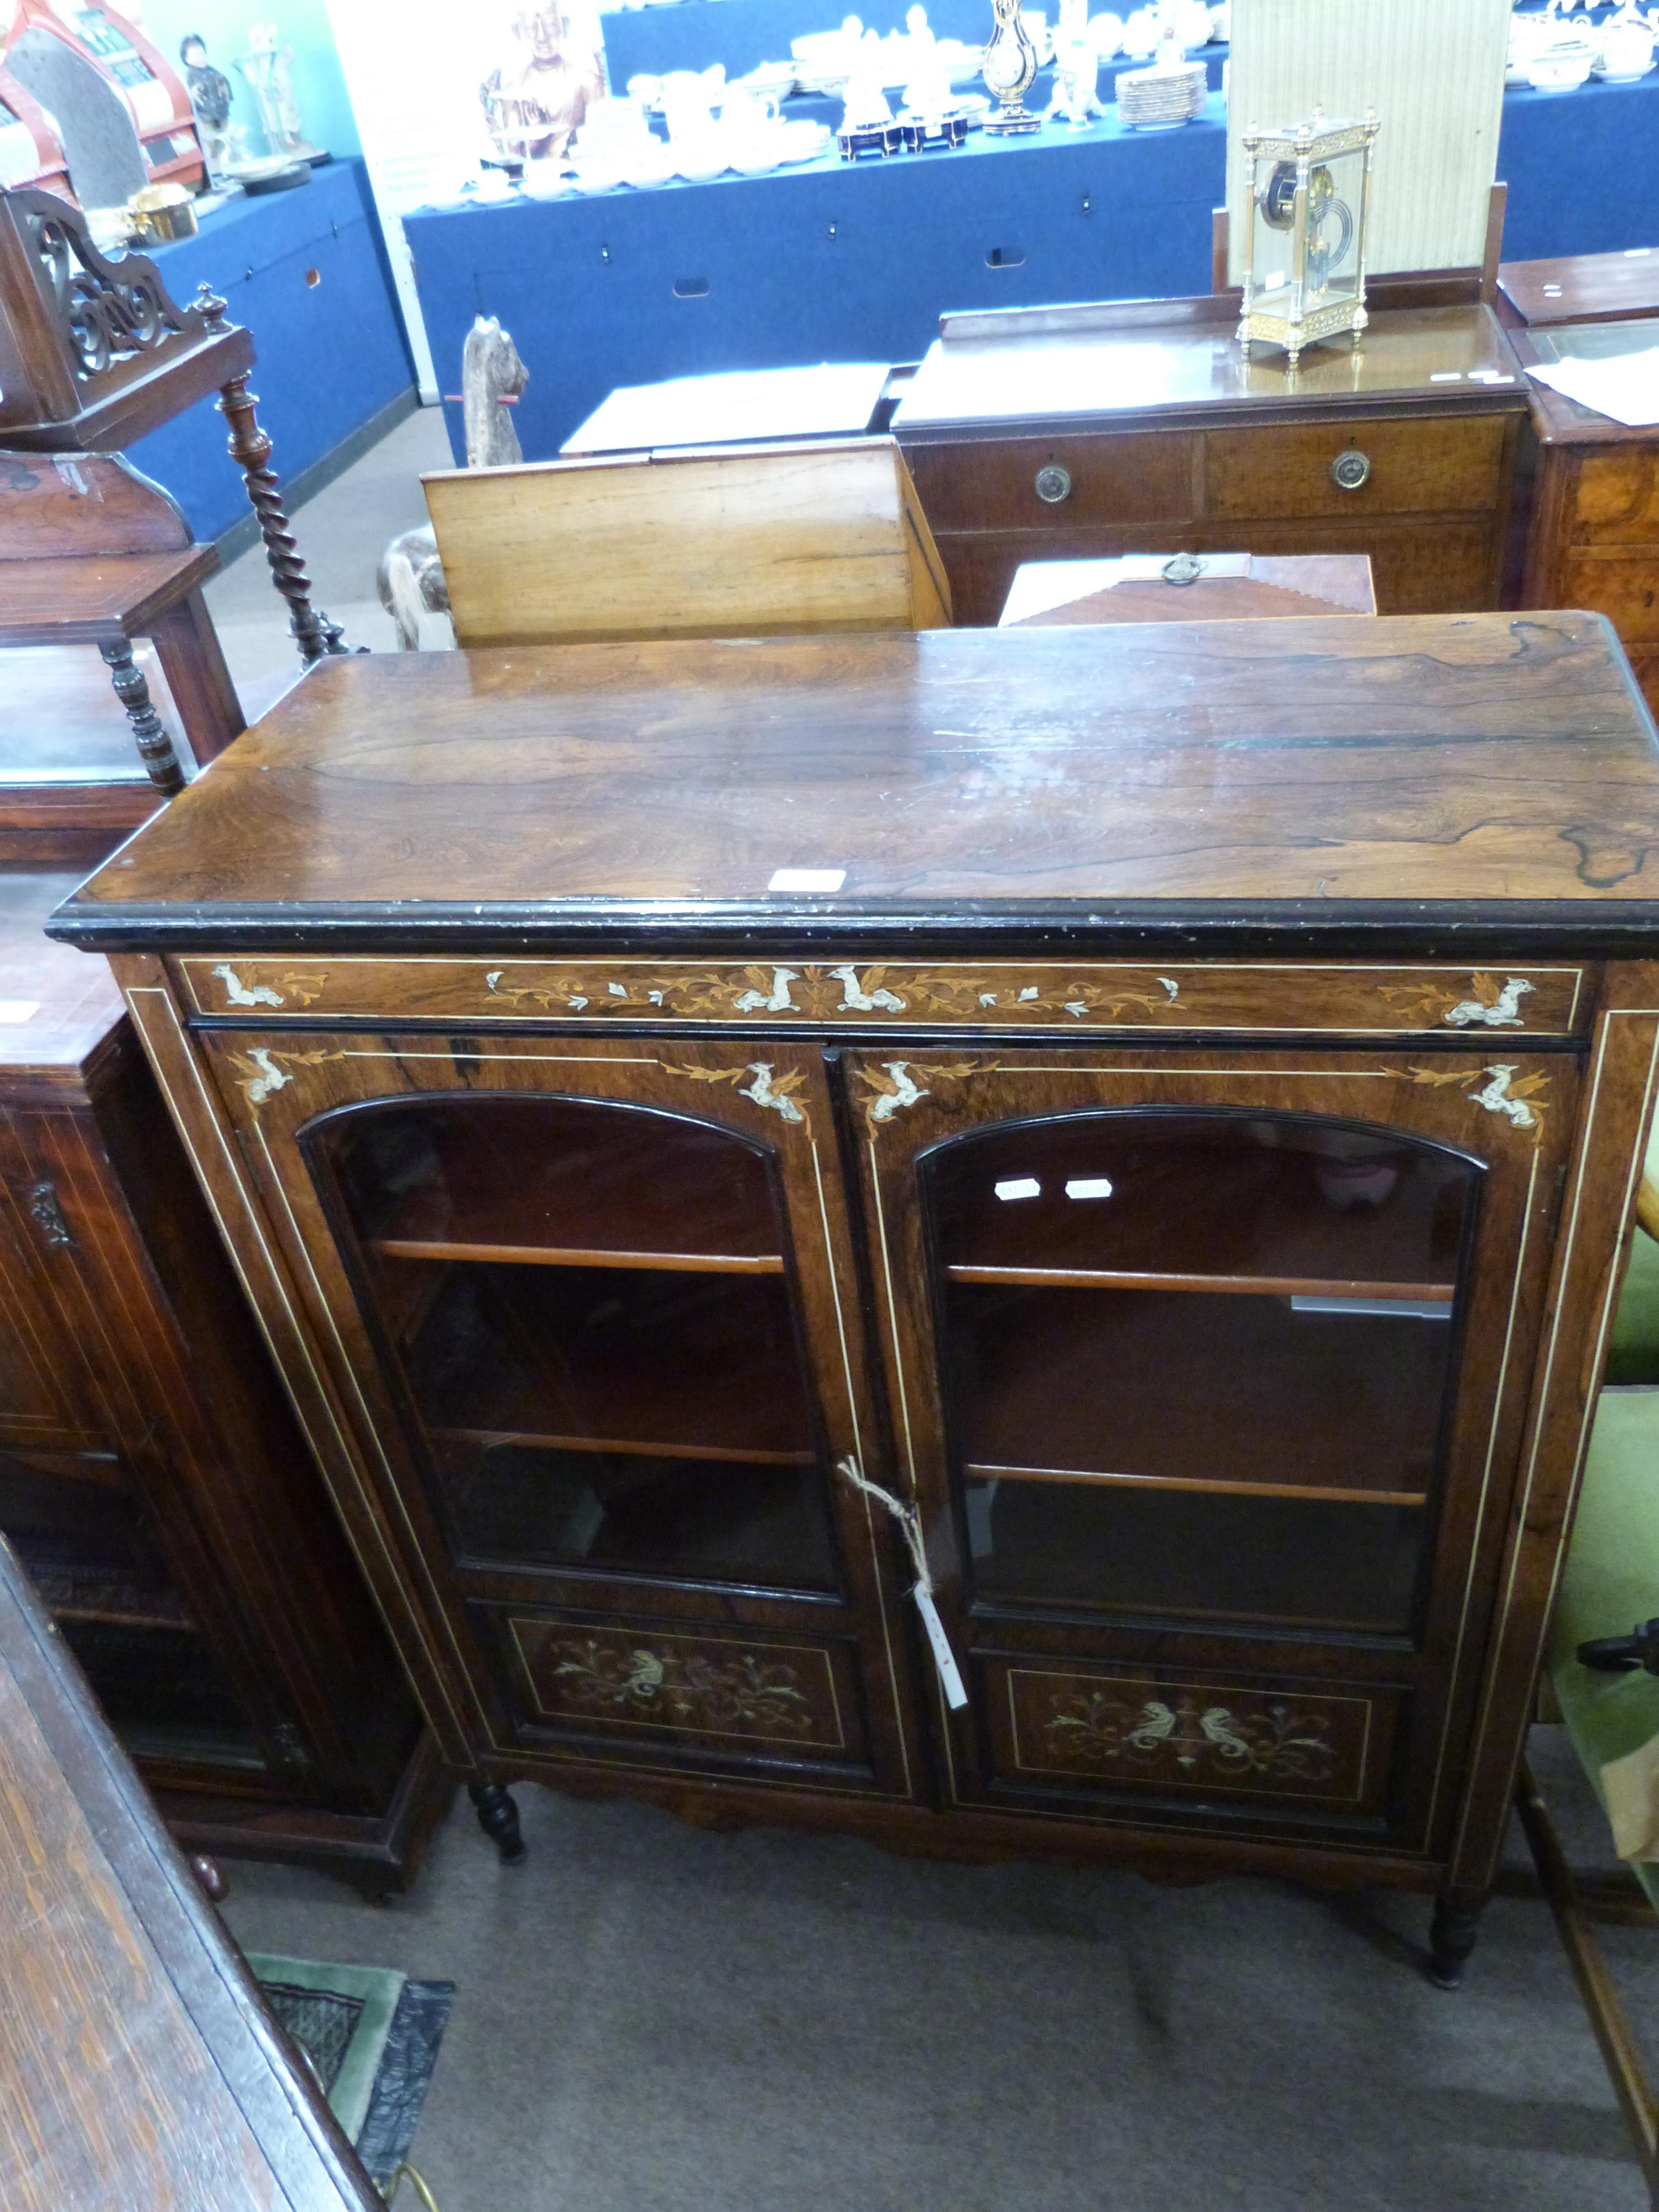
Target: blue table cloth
point(829, 262)
point(307, 272)
point(837, 262)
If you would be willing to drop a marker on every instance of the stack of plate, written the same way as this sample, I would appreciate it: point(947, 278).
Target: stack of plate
point(1158, 98)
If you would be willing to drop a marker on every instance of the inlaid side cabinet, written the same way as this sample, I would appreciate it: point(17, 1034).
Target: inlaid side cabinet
point(152, 1481)
point(1196, 1295)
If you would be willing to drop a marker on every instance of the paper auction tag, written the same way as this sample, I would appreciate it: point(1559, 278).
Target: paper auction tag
point(943, 1658)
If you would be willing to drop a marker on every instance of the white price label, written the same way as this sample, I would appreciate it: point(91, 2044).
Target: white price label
point(943, 1658)
point(808, 879)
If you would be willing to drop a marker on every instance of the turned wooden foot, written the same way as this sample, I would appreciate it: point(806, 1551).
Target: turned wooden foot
point(1451, 1939)
point(250, 448)
point(155, 746)
point(498, 1816)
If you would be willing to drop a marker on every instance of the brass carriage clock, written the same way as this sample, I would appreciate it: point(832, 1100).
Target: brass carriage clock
point(1304, 244)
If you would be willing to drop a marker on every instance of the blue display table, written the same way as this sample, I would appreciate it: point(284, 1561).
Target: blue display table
point(837, 262)
point(305, 272)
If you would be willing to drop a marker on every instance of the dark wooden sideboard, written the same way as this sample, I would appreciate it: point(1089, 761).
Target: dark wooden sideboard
point(1068, 433)
point(152, 1478)
point(1179, 1151)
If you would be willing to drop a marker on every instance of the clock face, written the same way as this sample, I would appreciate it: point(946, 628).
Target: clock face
point(1278, 196)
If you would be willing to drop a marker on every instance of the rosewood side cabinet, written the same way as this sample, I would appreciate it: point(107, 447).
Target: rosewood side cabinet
point(152, 1479)
point(1125, 1135)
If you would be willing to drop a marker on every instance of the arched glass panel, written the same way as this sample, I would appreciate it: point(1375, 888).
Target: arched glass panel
point(1198, 1363)
point(589, 1308)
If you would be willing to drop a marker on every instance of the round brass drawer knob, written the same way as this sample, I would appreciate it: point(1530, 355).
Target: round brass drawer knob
point(1053, 483)
point(1351, 470)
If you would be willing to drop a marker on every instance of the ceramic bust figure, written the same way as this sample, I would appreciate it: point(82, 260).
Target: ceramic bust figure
point(533, 103)
point(210, 99)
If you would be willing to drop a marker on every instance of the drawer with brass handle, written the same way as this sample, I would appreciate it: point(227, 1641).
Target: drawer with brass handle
point(1438, 465)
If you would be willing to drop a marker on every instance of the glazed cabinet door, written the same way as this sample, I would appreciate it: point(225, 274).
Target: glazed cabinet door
point(591, 1301)
point(1208, 1371)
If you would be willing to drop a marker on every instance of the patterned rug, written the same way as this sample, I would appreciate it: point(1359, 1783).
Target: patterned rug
point(372, 2035)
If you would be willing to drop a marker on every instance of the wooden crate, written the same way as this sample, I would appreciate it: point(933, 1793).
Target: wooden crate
point(751, 541)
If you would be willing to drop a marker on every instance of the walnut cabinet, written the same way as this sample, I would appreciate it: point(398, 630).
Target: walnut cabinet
point(1212, 1324)
point(152, 1479)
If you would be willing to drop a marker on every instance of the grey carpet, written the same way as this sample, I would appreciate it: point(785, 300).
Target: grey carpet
point(650, 2019)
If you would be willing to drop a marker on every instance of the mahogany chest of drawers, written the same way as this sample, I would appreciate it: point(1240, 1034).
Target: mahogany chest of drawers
point(1059, 433)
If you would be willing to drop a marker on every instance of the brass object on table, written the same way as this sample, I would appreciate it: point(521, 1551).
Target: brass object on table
point(1304, 246)
point(161, 213)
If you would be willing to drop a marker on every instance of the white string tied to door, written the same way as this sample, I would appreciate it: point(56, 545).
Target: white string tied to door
point(909, 1521)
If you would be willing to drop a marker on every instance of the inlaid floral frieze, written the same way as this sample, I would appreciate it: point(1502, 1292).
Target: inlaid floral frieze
point(264, 1071)
point(893, 1084)
point(825, 993)
point(670, 1682)
point(1190, 1739)
point(774, 1092)
point(290, 989)
point(1489, 1004)
point(1500, 1088)
point(1085, 996)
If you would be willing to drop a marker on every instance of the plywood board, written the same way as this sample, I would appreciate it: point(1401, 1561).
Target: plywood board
point(750, 541)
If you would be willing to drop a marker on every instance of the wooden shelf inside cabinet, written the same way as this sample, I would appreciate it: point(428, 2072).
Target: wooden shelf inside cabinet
point(80, 1591)
point(549, 1255)
point(610, 1361)
point(1258, 1395)
point(1214, 1486)
point(1256, 1220)
point(629, 1447)
point(1278, 1287)
point(541, 1183)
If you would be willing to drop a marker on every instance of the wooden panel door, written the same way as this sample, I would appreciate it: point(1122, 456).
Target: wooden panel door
point(592, 1299)
point(1208, 1371)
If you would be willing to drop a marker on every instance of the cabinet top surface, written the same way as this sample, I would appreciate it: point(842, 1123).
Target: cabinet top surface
point(1131, 363)
point(1348, 773)
point(1583, 287)
point(56, 1006)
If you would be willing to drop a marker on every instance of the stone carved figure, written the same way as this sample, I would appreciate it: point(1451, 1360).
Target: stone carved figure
point(535, 102)
point(410, 580)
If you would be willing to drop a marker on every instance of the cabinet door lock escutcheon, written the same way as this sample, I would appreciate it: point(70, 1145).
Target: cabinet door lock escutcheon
point(47, 1215)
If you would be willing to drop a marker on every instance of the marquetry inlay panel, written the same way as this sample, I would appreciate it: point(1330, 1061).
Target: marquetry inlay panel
point(728, 1692)
point(1138, 1729)
point(1018, 997)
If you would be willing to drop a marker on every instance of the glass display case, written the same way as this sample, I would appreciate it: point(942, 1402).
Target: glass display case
point(558, 1280)
point(1283, 1293)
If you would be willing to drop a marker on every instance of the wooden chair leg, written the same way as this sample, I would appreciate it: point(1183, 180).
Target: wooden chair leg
point(187, 646)
point(1621, 2053)
point(250, 448)
point(155, 746)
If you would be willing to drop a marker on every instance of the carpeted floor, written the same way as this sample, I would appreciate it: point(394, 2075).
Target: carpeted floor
point(651, 2018)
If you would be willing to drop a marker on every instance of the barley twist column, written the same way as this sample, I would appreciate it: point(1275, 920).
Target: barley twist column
point(155, 746)
point(250, 448)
